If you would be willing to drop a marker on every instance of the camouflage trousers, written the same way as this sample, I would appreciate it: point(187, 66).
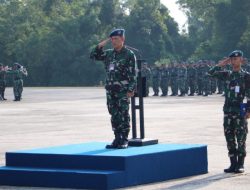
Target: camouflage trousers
point(156, 85)
point(235, 130)
point(164, 86)
point(174, 85)
point(191, 85)
point(2, 89)
point(182, 85)
point(18, 88)
point(118, 107)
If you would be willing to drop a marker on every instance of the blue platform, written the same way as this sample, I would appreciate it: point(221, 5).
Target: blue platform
point(91, 166)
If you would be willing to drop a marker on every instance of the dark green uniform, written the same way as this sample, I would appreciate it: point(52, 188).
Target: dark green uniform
point(199, 79)
point(191, 79)
point(156, 77)
point(174, 80)
point(2, 84)
point(120, 79)
point(182, 78)
point(164, 72)
point(237, 87)
point(146, 73)
point(17, 82)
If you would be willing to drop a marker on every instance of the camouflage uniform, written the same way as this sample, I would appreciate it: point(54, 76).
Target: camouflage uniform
point(191, 79)
point(17, 82)
point(120, 79)
point(206, 82)
point(174, 80)
point(182, 78)
point(237, 86)
point(156, 77)
point(199, 80)
point(164, 80)
point(2, 84)
point(146, 73)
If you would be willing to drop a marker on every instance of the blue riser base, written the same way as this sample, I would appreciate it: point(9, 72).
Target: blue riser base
point(33, 177)
point(109, 168)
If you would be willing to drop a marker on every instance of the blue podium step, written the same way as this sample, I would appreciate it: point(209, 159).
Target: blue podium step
point(61, 178)
point(91, 166)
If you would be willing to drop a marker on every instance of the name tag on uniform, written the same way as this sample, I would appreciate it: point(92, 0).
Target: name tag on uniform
point(237, 89)
point(111, 67)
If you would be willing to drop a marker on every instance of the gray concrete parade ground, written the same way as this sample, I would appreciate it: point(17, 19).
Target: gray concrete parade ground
point(58, 116)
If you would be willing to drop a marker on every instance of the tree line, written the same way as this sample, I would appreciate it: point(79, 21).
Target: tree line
point(53, 38)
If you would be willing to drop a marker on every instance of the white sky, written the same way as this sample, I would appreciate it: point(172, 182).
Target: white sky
point(176, 13)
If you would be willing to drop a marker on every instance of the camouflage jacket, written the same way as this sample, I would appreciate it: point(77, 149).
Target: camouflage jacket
point(2, 75)
point(120, 68)
point(17, 74)
point(156, 73)
point(146, 72)
point(237, 87)
point(191, 73)
point(164, 73)
point(182, 73)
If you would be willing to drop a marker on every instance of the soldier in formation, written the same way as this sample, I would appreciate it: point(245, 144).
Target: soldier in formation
point(17, 72)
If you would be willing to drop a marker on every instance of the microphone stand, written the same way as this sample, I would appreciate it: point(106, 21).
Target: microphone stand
point(141, 141)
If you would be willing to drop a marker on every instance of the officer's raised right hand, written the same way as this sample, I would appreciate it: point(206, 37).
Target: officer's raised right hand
point(224, 62)
point(103, 43)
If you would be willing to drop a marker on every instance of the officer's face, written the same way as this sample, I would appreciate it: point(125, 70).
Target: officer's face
point(117, 42)
point(236, 61)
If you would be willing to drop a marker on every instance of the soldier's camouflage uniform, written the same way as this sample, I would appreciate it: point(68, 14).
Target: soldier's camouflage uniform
point(237, 87)
point(17, 83)
point(164, 80)
point(2, 84)
point(191, 79)
point(156, 77)
point(146, 73)
point(182, 78)
point(174, 80)
point(120, 79)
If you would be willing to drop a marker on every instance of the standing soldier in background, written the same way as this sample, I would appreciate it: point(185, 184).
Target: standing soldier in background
point(213, 81)
point(146, 73)
point(2, 81)
point(18, 72)
point(164, 79)
point(156, 77)
point(174, 79)
point(235, 124)
point(199, 78)
point(182, 78)
point(191, 78)
point(206, 82)
point(120, 66)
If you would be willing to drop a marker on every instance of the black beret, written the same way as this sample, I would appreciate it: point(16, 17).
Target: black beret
point(117, 32)
point(18, 65)
point(236, 53)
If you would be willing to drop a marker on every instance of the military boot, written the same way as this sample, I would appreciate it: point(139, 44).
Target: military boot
point(233, 165)
point(115, 142)
point(240, 165)
point(123, 143)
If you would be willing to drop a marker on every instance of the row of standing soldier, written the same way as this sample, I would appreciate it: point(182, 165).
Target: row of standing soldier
point(17, 72)
point(183, 79)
